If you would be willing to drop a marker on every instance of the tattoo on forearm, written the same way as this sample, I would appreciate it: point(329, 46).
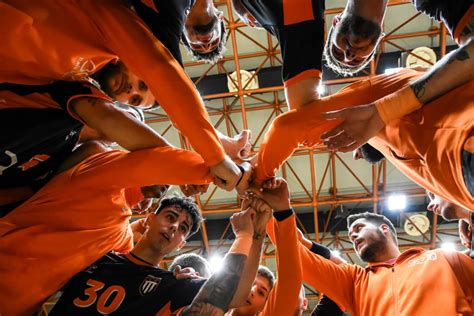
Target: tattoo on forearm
point(258, 236)
point(219, 290)
point(418, 86)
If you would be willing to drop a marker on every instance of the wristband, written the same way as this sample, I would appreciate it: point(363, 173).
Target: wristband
point(397, 104)
point(242, 244)
point(321, 250)
point(282, 215)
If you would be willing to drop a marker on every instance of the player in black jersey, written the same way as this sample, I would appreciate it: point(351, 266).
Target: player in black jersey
point(133, 283)
point(299, 28)
point(197, 23)
point(351, 44)
point(40, 126)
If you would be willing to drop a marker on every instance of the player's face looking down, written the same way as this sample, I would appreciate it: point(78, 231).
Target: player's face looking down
point(448, 210)
point(124, 86)
point(351, 43)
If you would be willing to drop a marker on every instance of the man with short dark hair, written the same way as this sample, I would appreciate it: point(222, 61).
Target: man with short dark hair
point(79, 216)
point(415, 276)
point(133, 283)
point(198, 24)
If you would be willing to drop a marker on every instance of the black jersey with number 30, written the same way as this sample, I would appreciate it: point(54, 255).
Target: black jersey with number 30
point(114, 285)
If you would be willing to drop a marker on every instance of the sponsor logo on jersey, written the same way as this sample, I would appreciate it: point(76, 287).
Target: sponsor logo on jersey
point(149, 284)
point(432, 256)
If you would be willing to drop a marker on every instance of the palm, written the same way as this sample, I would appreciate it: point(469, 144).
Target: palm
point(360, 124)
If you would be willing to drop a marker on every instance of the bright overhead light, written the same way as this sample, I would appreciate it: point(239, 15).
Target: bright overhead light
point(321, 89)
point(390, 71)
point(397, 202)
point(448, 246)
point(217, 263)
point(336, 252)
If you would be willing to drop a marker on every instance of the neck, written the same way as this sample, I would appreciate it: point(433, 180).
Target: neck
point(373, 10)
point(147, 253)
point(391, 252)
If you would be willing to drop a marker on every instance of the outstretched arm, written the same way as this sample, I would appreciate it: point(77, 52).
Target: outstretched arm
point(215, 296)
point(365, 121)
point(263, 213)
point(115, 124)
point(128, 38)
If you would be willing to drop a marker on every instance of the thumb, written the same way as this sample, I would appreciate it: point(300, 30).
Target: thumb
point(332, 115)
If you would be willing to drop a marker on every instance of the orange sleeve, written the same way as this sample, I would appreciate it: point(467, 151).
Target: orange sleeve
point(161, 165)
point(129, 38)
point(463, 268)
point(283, 299)
point(335, 281)
point(306, 124)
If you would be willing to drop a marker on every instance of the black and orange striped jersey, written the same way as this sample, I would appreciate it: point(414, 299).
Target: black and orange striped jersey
point(33, 147)
point(299, 27)
point(166, 21)
point(120, 285)
point(37, 132)
point(457, 16)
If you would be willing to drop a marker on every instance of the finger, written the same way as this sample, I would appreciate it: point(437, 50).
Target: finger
point(331, 115)
point(245, 204)
point(333, 132)
point(349, 147)
point(341, 140)
point(222, 184)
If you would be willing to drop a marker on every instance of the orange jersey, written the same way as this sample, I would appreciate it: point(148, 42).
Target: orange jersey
point(419, 283)
point(69, 40)
point(284, 297)
point(425, 145)
point(78, 217)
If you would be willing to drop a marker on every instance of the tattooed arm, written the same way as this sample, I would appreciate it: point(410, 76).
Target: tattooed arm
point(452, 71)
point(215, 296)
point(263, 213)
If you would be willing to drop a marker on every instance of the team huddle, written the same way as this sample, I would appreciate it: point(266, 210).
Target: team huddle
point(87, 69)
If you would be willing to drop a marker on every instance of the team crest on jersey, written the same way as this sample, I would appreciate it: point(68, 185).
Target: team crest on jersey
point(149, 284)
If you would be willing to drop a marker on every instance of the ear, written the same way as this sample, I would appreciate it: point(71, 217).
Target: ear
point(385, 229)
point(305, 304)
point(336, 19)
point(181, 245)
point(220, 15)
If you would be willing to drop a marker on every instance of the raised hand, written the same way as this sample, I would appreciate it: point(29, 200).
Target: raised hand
point(263, 214)
point(226, 173)
point(242, 222)
point(238, 147)
point(276, 193)
point(360, 124)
